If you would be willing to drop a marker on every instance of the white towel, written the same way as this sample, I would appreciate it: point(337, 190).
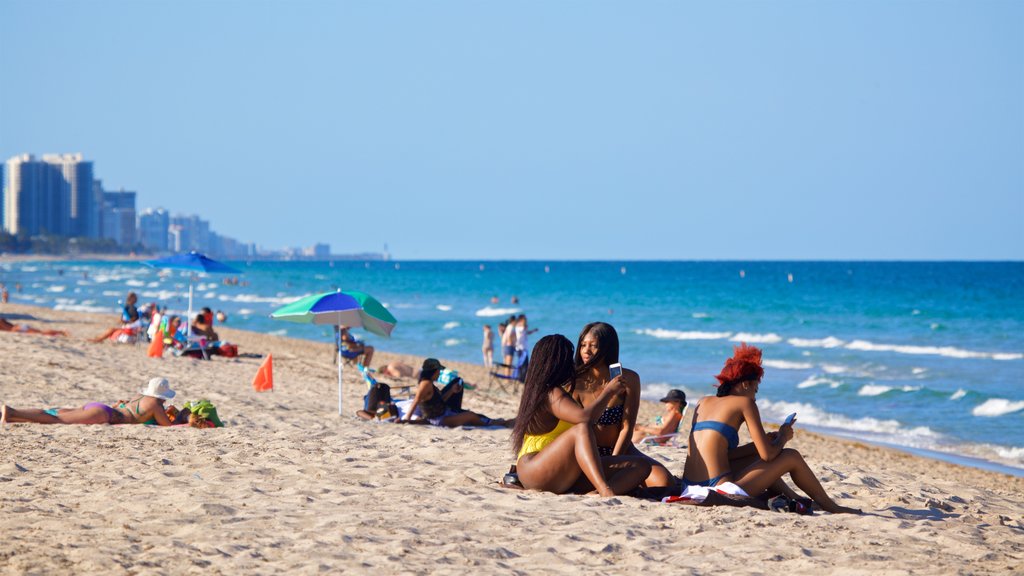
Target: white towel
point(700, 493)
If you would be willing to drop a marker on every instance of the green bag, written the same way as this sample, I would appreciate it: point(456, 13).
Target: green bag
point(206, 409)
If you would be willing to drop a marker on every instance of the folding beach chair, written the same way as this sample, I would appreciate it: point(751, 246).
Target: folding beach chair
point(676, 439)
point(508, 377)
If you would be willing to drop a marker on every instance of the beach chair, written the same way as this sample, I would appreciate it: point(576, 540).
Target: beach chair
point(508, 377)
point(676, 439)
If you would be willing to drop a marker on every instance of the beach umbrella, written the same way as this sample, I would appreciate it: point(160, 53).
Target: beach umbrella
point(191, 262)
point(349, 308)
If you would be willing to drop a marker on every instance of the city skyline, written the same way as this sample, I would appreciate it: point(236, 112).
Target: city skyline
point(873, 130)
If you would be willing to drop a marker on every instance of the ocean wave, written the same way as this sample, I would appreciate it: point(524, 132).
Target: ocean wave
point(818, 380)
point(947, 351)
point(450, 325)
point(82, 308)
point(487, 311)
point(811, 415)
point(997, 407)
point(57, 288)
point(878, 389)
point(960, 393)
point(751, 338)
point(663, 334)
point(787, 365)
point(918, 371)
point(700, 315)
point(443, 307)
point(453, 342)
point(833, 368)
point(829, 342)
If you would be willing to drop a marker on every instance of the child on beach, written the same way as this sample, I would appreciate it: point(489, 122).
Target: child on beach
point(488, 347)
point(146, 408)
point(553, 437)
point(715, 454)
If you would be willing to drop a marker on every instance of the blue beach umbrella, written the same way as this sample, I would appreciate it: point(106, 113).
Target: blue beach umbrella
point(349, 308)
point(191, 262)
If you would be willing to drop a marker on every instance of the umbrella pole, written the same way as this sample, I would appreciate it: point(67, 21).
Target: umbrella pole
point(339, 372)
point(188, 319)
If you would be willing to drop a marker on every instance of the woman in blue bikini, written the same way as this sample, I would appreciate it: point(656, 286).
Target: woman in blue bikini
point(596, 350)
point(715, 455)
point(146, 408)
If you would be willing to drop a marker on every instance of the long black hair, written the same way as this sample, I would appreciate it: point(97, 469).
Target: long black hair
point(607, 346)
point(551, 366)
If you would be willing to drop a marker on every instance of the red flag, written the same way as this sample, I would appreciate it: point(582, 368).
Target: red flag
point(264, 379)
point(156, 347)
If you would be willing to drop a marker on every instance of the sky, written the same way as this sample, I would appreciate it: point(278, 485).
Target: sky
point(556, 129)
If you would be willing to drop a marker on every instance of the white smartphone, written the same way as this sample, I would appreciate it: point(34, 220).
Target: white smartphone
point(614, 370)
point(790, 419)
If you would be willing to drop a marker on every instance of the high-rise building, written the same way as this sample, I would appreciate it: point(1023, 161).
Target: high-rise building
point(54, 195)
point(189, 232)
point(117, 220)
point(154, 227)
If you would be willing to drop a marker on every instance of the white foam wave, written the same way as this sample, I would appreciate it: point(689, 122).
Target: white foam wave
point(833, 368)
point(487, 311)
point(681, 335)
point(452, 342)
point(282, 332)
point(134, 283)
point(1010, 453)
point(813, 416)
point(752, 338)
point(450, 325)
point(787, 365)
point(443, 307)
point(948, 351)
point(960, 393)
point(56, 288)
point(917, 371)
point(829, 342)
point(878, 389)
point(818, 380)
point(997, 407)
point(82, 308)
point(245, 311)
point(700, 315)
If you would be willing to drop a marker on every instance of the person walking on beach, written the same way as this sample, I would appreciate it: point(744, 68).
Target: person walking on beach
point(488, 347)
point(508, 343)
point(553, 437)
point(715, 455)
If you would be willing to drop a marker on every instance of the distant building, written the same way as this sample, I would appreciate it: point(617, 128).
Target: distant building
point(317, 251)
point(117, 219)
point(54, 195)
point(154, 225)
point(189, 232)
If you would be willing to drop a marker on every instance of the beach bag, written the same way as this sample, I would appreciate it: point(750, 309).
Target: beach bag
point(205, 409)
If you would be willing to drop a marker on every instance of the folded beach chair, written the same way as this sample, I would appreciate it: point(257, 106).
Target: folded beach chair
point(516, 374)
point(676, 439)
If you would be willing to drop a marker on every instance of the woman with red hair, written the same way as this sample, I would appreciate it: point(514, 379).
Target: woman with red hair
point(715, 454)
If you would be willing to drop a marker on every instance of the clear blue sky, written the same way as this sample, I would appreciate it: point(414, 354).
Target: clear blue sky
point(543, 130)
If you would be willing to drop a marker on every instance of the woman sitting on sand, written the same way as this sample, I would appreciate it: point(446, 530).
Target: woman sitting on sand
point(714, 452)
point(6, 326)
point(131, 323)
point(598, 348)
point(668, 423)
point(554, 437)
point(432, 404)
point(147, 408)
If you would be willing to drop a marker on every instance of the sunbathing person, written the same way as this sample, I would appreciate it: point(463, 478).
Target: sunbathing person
point(6, 326)
point(432, 404)
point(351, 348)
point(147, 408)
point(596, 350)
point(668, 423)
point(203, 325)
point(554, 437)
point(714, 452)
point(130, 323)
point(396, 370)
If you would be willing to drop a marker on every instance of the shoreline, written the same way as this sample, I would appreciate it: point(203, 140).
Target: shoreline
point(288, 485)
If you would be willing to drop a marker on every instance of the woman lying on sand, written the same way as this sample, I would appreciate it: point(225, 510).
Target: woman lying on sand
point(554, 437)
point(598, 348)
point(432, 405)
point(714, 452)
point(147, 408)
point(6, 326)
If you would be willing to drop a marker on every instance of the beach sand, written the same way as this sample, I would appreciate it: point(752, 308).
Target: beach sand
point(289, 486)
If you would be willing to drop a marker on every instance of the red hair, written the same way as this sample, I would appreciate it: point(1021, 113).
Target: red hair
point(744, 365)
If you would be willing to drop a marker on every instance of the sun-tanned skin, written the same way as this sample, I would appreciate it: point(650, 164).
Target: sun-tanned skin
point(755, 467)
point(148, 408)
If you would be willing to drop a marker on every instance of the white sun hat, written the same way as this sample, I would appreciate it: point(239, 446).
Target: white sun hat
point(158, 388)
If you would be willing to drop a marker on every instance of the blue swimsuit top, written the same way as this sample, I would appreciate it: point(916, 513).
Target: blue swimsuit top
point(732, 436)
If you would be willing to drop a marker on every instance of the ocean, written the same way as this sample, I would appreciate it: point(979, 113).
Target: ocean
point(925, 356)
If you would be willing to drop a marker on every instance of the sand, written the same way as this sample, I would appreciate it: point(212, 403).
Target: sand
point(289, 486)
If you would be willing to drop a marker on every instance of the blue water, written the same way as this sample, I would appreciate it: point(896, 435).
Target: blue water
point(922, 355)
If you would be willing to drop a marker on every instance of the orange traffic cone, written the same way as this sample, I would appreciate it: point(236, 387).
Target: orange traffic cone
point(156, 347)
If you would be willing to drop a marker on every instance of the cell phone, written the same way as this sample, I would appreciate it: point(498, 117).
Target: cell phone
point(790, 419)
point(614, 370)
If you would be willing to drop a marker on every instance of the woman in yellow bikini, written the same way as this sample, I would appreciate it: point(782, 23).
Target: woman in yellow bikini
point(554, 436)
point(146, 408)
